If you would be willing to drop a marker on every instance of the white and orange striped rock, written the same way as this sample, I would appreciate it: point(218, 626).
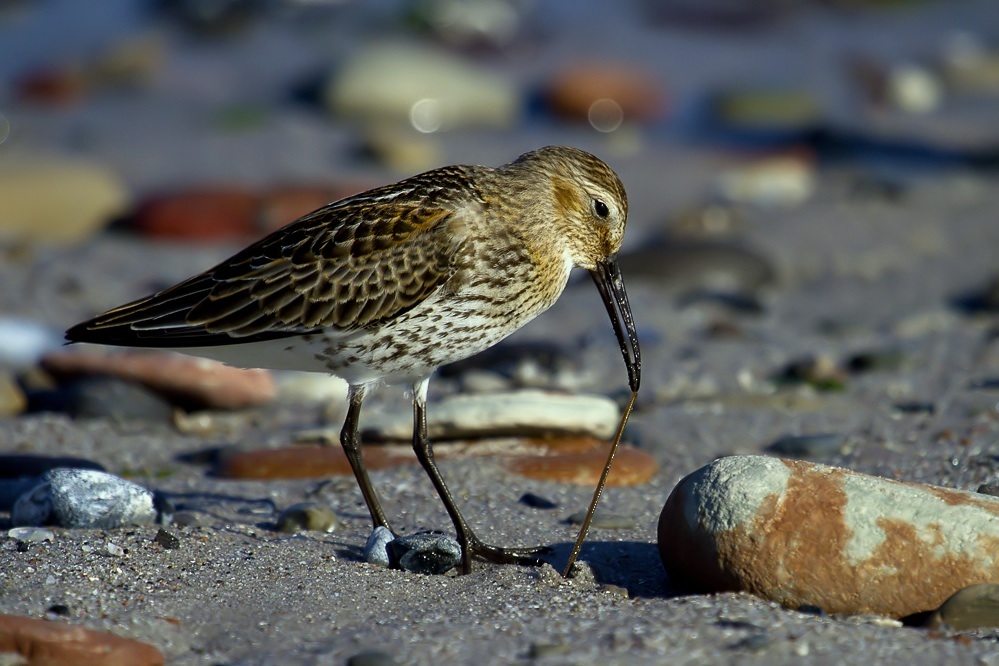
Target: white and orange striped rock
point(801, 533)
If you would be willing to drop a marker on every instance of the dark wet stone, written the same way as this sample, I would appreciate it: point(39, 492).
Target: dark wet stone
point(308, 516)
point(82, 498)
point(811, 609)
point(376, 548)
point(424, 553)
point(537, 501)
point(680, 266)
point(915, 407)
point(990, 488)
point(972, 607)
point(166, 540)
point(102, 397)
point(736, 302)
point(989, 384)
point(878, 360)
point(61, 610)
point(603, 520)
point(808, 446)
point(372, 658)
point(14, 465)
point(984, 299)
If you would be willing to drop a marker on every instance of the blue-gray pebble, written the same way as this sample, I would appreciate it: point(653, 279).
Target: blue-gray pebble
point(424, 553)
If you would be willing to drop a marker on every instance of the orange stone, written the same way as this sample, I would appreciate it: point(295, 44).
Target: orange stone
point(203, 215)
point(303, 462)
point(573, 92)
point(580, 461)
point(283, 205)
point(195, 382)
point(44, 643)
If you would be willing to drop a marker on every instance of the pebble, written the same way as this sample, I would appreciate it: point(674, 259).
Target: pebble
point(808, 446)
point(990, 488)
point(103, 397)
point(421, 87)
point(12, 398)
point(605, 95)
point(166, 540)
point(31, 534)
point(45, 642)
point(527, 413)
point(801, 533)
point(972, 607)
point(602, 520)
point(821, 372)
point(376, 548)
point(537, 501)
point(427, 553)
point(914, 89)
point(189, 381)
point(767, 110)
point(782, 181)
point(303, 462)
point(683, 265)
point(57, 200)
point(310, 516)
point(372, 658)
point(483, 24)
point(83, 498)
point(632, 467)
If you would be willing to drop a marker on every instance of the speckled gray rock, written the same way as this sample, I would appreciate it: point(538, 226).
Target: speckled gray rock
point(425, 553)
point(84, 498)
point(375, 550)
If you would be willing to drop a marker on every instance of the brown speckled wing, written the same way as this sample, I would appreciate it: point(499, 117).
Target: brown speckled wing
point(351, 264)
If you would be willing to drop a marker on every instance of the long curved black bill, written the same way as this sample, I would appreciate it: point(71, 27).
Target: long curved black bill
point(607, 276)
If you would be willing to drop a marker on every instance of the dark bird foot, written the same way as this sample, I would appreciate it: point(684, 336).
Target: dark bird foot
point(522, 556)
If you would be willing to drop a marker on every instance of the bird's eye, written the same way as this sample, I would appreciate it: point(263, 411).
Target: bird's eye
point(600, 208)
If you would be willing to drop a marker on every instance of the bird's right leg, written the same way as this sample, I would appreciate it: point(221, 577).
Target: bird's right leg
point(350, 440)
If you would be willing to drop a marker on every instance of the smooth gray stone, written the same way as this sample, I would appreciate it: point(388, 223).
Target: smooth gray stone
point(375, 550)
point(425, 553)
point(84, 498)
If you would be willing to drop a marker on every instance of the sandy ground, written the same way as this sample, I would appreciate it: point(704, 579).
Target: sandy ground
point(878, 258)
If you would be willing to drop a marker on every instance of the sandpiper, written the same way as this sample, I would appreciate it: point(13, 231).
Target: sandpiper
point(390, 284)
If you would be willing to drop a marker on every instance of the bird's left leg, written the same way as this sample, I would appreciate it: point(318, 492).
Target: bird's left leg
point(470, 544)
